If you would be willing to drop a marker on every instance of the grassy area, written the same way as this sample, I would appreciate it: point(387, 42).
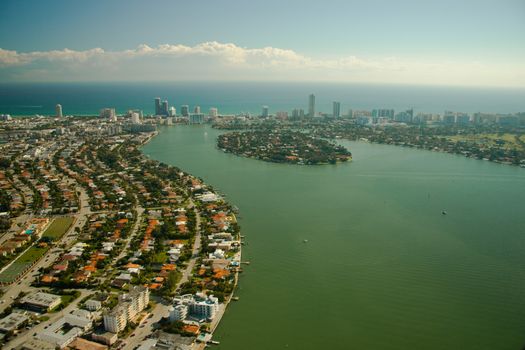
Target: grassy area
point(10, 274)
point(58, 228)
point(490, 139)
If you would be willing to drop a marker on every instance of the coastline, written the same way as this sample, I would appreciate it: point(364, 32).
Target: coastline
point(222, 308)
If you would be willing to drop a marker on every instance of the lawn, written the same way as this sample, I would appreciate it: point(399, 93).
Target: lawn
point(489, 139)
point(58, 228)
point(21, 264)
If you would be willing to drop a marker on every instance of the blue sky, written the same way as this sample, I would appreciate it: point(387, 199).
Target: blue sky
point(415, 35)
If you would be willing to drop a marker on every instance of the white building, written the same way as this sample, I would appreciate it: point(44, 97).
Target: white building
point(116, 320)
point(198, 306)
point(12, 322)
point(58, 111)
point(178, 312)
point(197, 118)
point(93, 305)
point(214, 112)
point(66, 329)
point(42, 301)
point(135, 117)
point(311, 106)
point(129, 306)
point(109, 114)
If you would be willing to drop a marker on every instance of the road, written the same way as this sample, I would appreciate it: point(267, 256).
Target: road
point(133, 233)
point(12, 291)
point(186, 274)
point(161, 308)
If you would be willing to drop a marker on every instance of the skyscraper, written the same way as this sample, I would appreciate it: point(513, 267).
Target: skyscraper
point(109, 114)
point(135, 117)
point(157, 106)
point(197, 110)
point(214, 112)
point(311, 106)
point(165, 108)
point(58, 110)
point(265, 112)
point(185, 110)
point(196, 118)
point(337, 110)
point(383, 113)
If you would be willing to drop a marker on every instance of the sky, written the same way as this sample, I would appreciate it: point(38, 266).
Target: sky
point(445, 42)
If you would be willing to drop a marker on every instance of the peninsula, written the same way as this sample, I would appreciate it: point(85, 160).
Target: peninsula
point(283, 146)
point(128, 249)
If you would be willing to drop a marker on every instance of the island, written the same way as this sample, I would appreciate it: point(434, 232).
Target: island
point(283, 146)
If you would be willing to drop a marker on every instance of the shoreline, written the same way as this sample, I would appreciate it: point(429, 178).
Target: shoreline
point(222, 310)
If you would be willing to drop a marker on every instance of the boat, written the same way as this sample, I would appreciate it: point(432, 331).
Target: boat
point(443, 212)
point(305, 241)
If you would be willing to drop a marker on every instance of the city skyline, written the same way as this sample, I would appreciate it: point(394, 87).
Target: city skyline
point(435, 43)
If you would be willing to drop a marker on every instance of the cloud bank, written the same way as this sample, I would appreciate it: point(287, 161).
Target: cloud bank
point(227, 61)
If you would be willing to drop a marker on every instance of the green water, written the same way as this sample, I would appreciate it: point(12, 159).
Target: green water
point(383, 268)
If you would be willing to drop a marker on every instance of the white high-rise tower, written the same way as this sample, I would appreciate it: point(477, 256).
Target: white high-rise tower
point(311, 106)
point(58, 111)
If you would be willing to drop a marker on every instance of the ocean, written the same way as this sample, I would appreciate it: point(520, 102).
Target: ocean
point(234, 97)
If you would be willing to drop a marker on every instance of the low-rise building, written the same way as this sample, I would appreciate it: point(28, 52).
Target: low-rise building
point(93, 305)
point(12, 321)
point(41, 301)
point(65, 330)
point(37, 344)
point(83, 344)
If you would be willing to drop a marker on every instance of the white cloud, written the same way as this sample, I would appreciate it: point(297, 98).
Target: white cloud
point(227, 61)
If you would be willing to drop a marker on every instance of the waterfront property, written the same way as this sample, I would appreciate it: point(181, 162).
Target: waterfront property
point(283, 146)
point(199, 307)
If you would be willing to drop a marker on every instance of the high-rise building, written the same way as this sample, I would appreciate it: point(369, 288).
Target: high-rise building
point(173, 111)
point(197, 118)
point(157, 106)
point(311, 106)
point(185, 110)
point(135, 117)
point(197, 109)
point(336, 109)
point(265, 112)
point(130, 304)
point(408, 116)
point(214, 112)
point(383, 113)
point(58, 111)
point(109, 114)
point(165, 108)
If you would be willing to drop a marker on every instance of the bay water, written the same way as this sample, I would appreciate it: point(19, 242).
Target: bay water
point(383, 268)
